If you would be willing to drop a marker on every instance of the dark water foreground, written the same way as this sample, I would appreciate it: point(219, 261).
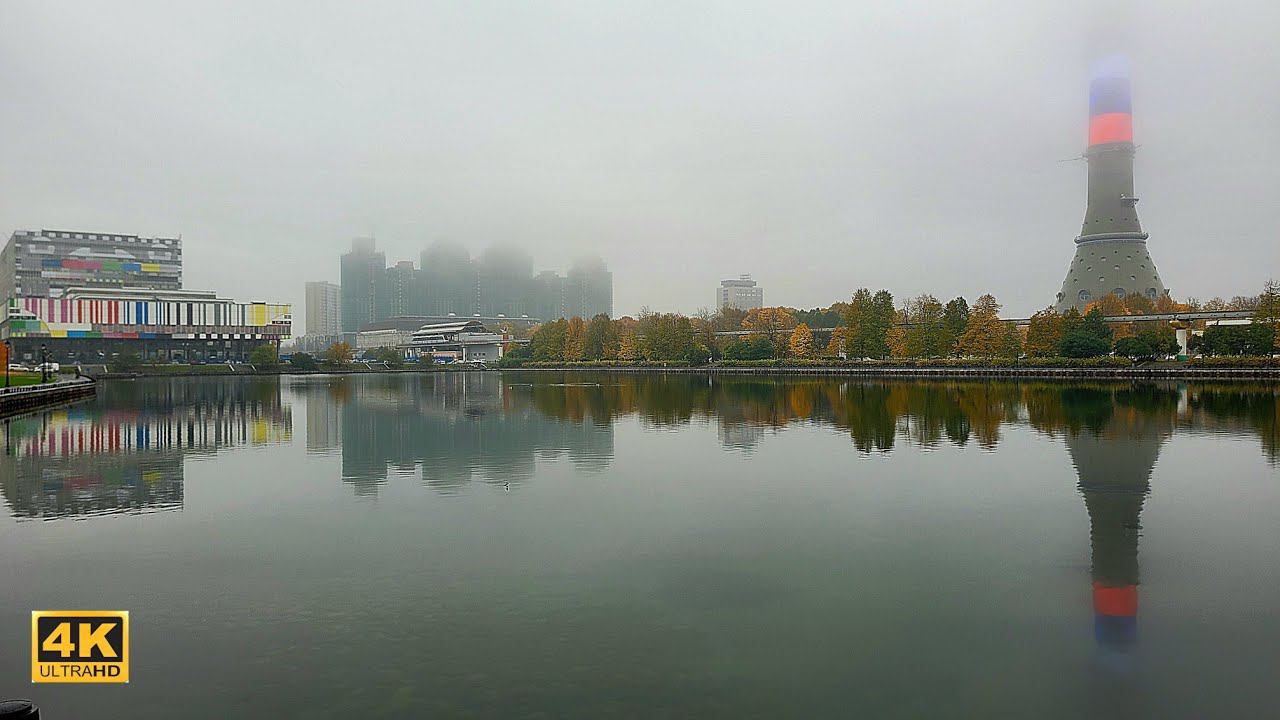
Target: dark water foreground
point(538, 545)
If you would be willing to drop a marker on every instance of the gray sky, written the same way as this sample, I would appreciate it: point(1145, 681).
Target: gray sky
point(820, 146)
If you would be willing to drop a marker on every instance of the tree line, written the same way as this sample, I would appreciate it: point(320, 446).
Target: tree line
point(871, 326)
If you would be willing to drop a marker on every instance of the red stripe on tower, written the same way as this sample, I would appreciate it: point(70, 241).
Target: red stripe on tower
point(1110, 128)
point(1115, 601)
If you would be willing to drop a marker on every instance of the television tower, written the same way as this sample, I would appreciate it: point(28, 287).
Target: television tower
point(1111, 251)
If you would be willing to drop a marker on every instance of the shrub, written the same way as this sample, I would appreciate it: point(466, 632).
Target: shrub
point(303, 361)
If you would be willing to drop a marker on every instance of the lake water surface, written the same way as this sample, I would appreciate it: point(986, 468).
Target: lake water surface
point(540, 545)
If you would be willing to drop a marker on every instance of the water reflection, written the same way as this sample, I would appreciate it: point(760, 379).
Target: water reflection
point(124, 452)
point(879, 415)
point(452, 429)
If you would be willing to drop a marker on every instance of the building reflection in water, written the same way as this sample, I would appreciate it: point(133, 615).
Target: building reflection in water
point(124, 451)
point(451, 428)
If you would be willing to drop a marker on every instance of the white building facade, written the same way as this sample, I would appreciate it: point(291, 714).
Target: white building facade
point(742, 294)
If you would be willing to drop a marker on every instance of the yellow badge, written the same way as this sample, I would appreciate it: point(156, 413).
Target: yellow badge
point(80, 646)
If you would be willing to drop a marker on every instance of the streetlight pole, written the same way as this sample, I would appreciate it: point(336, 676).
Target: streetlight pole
point(8, 360)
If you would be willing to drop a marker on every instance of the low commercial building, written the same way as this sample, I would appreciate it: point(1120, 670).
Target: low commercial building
point(457, 341)
point(91, 325)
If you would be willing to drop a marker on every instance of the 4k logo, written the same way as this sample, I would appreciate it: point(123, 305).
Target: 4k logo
point(80, 646)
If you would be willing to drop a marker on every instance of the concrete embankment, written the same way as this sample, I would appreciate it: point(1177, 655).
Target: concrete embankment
point(16, 400)
point(1155, 372)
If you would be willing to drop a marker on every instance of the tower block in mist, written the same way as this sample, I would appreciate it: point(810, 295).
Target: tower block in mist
point(1111, 251)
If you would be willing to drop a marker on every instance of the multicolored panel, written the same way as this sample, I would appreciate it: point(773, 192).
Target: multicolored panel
point(1110, 111)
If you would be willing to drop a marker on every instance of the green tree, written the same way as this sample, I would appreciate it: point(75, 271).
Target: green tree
point(547, 343)
point(666, 336)
point(984, 335)
point(1089, 336)
point(928, 334)
point(303, 361)
point(388, 355)
point(1044, 333)
point(1083, 345)
point(1134, 347)
point(125, 361)
point(264, 356)
point(600, 336)
point(1268, 312)
point(957, 318)
point(868, 318)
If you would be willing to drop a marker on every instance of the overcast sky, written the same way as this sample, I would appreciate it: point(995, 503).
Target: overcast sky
point(819, 146)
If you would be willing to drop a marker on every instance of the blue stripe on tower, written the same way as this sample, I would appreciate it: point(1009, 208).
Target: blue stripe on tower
point(1109, 95)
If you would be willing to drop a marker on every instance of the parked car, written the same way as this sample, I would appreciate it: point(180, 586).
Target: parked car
point(50, 366)
point(15, 367)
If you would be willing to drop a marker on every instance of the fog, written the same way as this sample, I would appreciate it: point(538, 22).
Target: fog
point(919, 147)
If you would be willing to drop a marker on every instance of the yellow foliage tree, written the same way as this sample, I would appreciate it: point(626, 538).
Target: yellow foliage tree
point(575, 340)
point(802, 341)
point(628, 346)
point(1110, 304)
point(984, 335)
point(771, 322)
point(896, 339)
point(1044, 334)
point(839, 336)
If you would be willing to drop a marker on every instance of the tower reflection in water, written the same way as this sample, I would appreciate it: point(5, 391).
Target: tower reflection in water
point(1114, 440)
point(124, 451)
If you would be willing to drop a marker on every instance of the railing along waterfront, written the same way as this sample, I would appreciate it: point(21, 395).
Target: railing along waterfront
point(30, 397)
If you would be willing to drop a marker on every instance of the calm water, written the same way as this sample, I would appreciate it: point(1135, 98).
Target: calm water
point(508, 545)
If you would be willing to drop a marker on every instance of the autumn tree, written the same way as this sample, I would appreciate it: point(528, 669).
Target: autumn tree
point(1111, 305)
point(984, 334)
point(839, 338)
point(773, 323)
point(801, 342)
point(339, 352)
point(1044, 333)
point(1011, 344)
point(1166, 304)
point(575, 340)
point(1139, 304)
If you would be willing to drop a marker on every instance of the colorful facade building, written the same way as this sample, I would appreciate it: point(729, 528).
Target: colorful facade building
point(91, 325)
point(47, 263)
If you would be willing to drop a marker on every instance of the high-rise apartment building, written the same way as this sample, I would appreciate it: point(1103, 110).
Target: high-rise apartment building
point(741, 294)
point(588, 289)
point(363, 272)
point(324, 308)
point(46, 263)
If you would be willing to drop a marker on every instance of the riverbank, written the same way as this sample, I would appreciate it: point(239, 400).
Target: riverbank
point(27, 398)
point(1136, 372)
point(1095, 371)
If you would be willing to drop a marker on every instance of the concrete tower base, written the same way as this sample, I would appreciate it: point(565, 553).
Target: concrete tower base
point(1118, 266)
